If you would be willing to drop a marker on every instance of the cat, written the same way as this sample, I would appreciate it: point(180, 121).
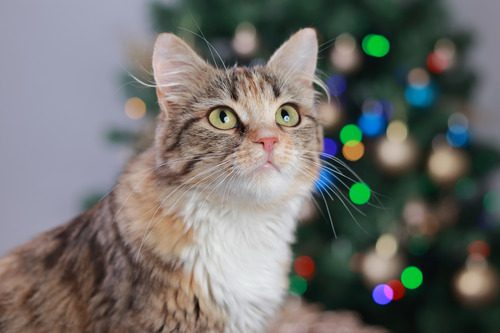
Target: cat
point(196, 235)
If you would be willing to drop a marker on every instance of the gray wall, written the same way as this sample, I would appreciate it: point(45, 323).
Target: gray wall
point(59, 94)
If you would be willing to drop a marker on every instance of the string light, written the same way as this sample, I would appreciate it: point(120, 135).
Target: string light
point(372, 123)
point(359, 193)
point(397, 131)
point(349, 133)
point(412, 277)
point(458, 130)
point(375, 45)
point(397, 288)
point(298, 285)
point(443, 56)
point(382, 294)
point(386, 246)
point(420, 96)
point(353, 150)
point(479, 247)
point(305, 267)
point(330, 146)
point(135, 108)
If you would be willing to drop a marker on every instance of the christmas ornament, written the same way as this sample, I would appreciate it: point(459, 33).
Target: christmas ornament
point(443, 56)
point(397, 152)
point(396, 157)
point(419, 218)
point(245, 39)
point(377, 268)
point(344, 55)
point(446, 165)
point(372, 121)
point(458, 130)
point(477, 283)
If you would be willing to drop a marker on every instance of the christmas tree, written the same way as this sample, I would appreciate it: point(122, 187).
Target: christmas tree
point(403, 228)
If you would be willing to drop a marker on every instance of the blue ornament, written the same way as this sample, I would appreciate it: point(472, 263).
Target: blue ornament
point(457, 136)
point(420, 96)
point(372, 124)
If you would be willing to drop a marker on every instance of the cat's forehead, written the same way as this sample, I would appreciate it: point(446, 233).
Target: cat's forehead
point(255, 92)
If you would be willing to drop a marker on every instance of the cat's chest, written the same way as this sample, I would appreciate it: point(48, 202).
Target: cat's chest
point(241, 261)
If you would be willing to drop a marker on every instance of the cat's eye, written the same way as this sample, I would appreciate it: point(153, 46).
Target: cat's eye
point(287, 115)
point(223, 118)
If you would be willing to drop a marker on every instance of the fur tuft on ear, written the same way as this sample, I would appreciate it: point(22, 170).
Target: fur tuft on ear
point(297, 56)
point(177, 69)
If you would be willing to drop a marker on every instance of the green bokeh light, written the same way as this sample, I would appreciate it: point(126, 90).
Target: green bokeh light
point(360, 193)
point(376, 45)
point(412, 277)
point(298, 285)
point(350, 133)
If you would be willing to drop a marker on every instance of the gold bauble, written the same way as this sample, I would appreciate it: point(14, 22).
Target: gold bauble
point(396, 156)
point(378, 268)
point(420, 219)
point(446, 165)
point(477, 283)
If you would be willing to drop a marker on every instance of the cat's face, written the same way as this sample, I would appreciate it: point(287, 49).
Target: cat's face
point(239, 132)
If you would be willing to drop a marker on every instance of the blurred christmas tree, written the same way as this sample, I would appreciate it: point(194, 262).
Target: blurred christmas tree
point(416, 223)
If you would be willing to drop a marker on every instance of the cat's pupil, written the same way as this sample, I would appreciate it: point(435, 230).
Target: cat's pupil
point(285, 115)
point(223, 117)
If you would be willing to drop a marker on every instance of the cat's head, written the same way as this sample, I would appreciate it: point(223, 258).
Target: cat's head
point(247, 133)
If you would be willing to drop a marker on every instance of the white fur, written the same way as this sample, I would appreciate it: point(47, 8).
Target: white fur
point(241, 258)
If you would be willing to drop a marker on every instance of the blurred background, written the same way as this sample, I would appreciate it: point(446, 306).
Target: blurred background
point(411, 150)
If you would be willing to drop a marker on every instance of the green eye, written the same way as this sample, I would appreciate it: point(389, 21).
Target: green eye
point(288, 116)
point(223, 118)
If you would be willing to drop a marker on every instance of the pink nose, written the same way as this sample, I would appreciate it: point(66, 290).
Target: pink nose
point(268, 143)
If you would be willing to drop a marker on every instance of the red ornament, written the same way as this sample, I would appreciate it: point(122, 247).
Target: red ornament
point(305, 267)
point(437, 63)
point(397, 288)
point(479, 247)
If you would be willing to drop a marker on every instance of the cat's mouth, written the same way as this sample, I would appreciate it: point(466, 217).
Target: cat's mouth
point(268, 165)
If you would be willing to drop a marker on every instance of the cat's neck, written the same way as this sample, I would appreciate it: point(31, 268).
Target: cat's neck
point(157, 212)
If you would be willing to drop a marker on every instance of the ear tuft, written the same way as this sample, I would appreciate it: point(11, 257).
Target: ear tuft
point(298, 55)
point(176, 68)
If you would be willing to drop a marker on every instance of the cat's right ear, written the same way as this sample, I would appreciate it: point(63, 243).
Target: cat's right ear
point(177, 69)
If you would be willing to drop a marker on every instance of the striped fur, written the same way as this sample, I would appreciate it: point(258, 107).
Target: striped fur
point(195, 237)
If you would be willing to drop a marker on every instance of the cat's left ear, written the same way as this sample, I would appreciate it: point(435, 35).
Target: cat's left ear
point(297, 56)
point(177, 69)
